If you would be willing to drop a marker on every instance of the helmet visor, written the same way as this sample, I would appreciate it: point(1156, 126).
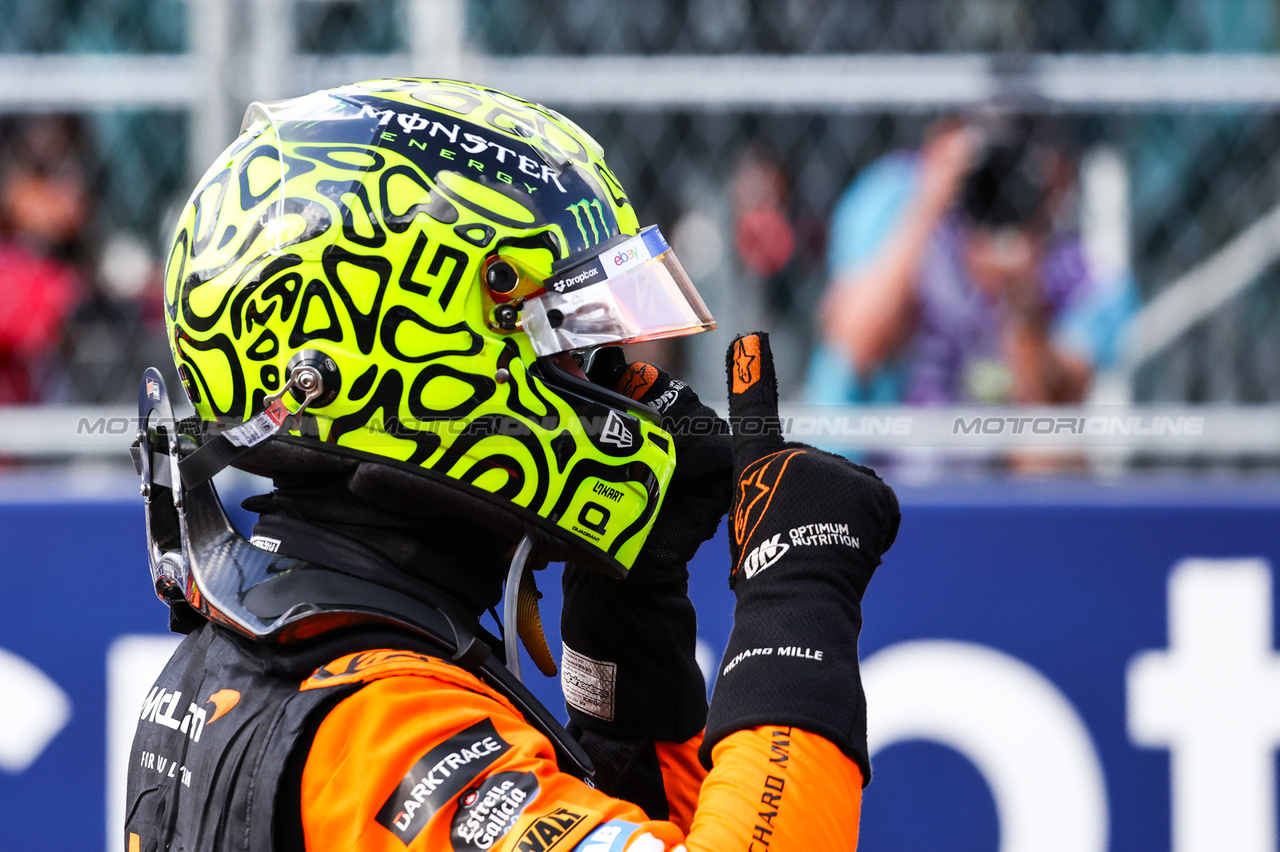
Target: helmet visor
point(630, 291)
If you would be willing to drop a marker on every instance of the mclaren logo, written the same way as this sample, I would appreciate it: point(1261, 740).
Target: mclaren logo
point(766, 553)
point(615, 431)
point(222, 701)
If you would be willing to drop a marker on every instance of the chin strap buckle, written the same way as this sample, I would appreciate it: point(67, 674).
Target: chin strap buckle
point(305, 381)
point(268, 422)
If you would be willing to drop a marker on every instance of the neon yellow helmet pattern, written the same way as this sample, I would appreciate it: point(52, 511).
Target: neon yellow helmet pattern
point(358, 225)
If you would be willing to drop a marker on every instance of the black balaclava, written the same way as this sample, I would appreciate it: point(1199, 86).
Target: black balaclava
point(460, 558)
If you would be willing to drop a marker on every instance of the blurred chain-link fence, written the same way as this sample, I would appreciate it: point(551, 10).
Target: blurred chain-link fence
point(692, 99)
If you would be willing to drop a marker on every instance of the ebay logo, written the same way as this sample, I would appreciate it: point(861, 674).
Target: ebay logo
point(625, 256)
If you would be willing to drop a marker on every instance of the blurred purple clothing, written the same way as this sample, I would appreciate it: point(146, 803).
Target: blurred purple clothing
point(960, 327)
point(953, 355)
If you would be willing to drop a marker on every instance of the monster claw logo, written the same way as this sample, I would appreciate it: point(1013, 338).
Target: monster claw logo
point(583, 210)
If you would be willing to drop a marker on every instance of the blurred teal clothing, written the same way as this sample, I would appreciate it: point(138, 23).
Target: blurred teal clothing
point(953, 353)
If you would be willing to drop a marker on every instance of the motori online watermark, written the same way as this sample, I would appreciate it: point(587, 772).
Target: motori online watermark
point(841, 429)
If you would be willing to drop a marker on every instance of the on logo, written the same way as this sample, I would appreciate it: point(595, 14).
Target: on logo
point(765, 554)
point(584, 214)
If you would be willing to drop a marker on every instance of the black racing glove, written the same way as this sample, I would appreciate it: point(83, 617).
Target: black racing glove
point(632, 641)
point(806, 533)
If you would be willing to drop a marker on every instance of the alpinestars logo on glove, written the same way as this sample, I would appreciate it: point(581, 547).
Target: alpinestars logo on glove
point(765, 554)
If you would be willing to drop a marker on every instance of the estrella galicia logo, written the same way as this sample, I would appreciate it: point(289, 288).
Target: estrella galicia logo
point(437, 777)
point(486, 813)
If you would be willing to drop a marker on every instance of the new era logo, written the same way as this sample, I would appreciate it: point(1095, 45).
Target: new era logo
point(615, 431)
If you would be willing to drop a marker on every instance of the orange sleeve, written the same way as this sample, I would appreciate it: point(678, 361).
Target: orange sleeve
point(426, 757)
point(778, 789)
point(682, 777)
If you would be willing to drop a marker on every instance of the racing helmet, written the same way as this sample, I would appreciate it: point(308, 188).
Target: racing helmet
point(406, 275)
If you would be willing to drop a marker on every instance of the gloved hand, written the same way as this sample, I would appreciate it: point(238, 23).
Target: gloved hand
point(634, 639)
point(807, 531)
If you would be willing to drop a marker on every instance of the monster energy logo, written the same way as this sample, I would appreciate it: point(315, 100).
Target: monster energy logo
point(582, 210)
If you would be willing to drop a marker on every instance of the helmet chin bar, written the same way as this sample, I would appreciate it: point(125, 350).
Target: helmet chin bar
point(203, 568)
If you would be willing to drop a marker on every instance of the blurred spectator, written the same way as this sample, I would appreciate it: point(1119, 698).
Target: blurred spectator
point(44, 204)
point(952, 278)
point(755, 252)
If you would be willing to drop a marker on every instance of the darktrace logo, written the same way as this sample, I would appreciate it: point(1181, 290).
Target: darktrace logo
point(437, 777)
point(547, 831)
point(487, 812)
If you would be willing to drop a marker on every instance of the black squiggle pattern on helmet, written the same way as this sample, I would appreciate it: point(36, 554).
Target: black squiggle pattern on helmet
point(203, 235)
point(550, 416)
point(499, 424)
point(364, 323)
point(482, 388)
point(363, 383)
point(315, 291)
point(387, 400)
point(337, 191)
point(391, 323)
point(244, 291)
point(499, 461)
point(223, 344)
point(294, 167)
point(436, 206)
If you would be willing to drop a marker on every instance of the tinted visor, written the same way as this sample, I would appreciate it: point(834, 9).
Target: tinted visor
point(630, 291)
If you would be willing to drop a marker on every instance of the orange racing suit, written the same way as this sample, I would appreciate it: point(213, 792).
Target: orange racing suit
point(425, 756)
